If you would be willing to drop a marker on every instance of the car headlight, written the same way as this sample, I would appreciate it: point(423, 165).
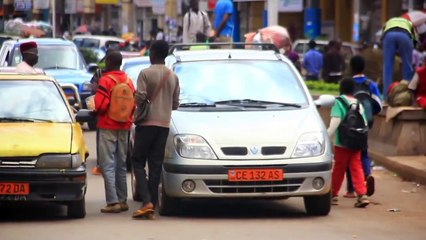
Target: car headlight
point(193, 146)
point(60, 161)
point(87, 87)
point(310, 145)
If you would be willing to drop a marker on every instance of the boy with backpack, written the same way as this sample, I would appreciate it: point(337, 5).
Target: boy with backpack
point(114, 106)
point(349, 124)
point(367, 92)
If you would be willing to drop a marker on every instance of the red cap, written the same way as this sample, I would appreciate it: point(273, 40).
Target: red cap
point(27, 46)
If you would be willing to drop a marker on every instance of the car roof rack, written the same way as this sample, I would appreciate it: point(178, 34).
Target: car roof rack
point(219, 45)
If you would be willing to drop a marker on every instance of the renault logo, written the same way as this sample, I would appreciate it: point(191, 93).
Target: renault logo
point(254, 150)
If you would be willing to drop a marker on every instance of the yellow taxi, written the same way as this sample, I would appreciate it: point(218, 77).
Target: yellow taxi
point(42, 149)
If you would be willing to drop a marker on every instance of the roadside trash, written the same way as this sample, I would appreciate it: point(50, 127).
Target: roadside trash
point(405, 191)
point(378, 168)
point(394, 210)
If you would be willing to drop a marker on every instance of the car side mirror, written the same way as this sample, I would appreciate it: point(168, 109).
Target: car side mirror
point(325, 100)
point(85, 115)
point(92, 67)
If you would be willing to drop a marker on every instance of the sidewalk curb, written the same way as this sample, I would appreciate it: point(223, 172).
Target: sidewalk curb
point(405, 171)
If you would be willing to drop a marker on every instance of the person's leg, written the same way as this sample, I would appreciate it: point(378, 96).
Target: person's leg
point(349, 185)
point(405, 48)
point(142, 146)
point(339, 167)
point(107, 148)
point(357, 173)
point(388, 49)
point(121, 168)
point(155, 162)
point(366, 162)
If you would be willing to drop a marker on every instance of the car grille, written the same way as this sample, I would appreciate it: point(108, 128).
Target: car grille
point(243, 151)
point(18, 162)
point(225, 186)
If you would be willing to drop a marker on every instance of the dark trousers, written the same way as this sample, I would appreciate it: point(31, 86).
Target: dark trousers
point(366, 167)
point(149, 147)
point(312, 77)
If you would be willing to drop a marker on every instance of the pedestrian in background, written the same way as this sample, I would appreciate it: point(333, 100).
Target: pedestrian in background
point(343, 156)
point(159, 84)
point(398, 35)
point(29, 52)
point(195, 21)
point(312, 62)
point(333, 63)
point(114, 129)
point(223, 23)
point(418, 87)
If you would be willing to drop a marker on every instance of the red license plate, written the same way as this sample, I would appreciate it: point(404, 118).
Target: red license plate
point(14, 188)
point(249, 175)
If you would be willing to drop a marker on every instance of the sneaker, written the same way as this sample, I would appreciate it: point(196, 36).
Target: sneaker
point(96, 171)
point(350, 195)
point(335, 200)
point(362, 202)
point(111, 208)
point(124, 207)
point(144, 212)
point(370, 185)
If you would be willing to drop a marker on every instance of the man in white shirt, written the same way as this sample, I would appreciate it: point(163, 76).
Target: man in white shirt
point(29, 53)
point(195, 21)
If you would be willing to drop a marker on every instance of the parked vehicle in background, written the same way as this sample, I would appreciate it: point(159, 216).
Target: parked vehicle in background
point(58, 58)
point(97, 41)
point(247, 127)
point(5, 37)
point(133, 66)
point(42, 147)
point(348, 49)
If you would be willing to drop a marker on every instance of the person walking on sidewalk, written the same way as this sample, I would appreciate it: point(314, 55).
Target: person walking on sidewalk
point(161, 86)
point(367, 92)
point(114, 105)
point(223, 20)
point(343, 155)
point(312, 62)
point(195, 21)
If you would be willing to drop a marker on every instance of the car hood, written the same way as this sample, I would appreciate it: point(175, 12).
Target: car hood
point(249, 128)
point(69, 75)
point(33, 139)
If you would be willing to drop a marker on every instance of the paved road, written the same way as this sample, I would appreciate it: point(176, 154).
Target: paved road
point(208, 220)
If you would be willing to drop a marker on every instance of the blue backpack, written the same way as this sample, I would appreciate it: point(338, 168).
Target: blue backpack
point(363, 94)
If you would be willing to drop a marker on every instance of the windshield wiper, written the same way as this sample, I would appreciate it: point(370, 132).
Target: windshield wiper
point(16, 119)
point(196, 104)
point(57, 67)
point(253, 102)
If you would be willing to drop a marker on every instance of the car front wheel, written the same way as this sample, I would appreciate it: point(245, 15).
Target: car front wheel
point(318, 205)
point(77, 209)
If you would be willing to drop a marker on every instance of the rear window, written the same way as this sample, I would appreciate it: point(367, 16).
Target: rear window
point(212, 81)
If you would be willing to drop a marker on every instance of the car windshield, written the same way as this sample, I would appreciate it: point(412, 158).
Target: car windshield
point(250, 81)
point(133, 69)
point(38, 101)
point(55, 57)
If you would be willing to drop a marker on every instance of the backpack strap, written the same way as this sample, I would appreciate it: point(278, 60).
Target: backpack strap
point(115, 79)
point(157, 91)
point(347, 105)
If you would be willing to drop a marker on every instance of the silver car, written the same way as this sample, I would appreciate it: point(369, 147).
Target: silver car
point(246, 127)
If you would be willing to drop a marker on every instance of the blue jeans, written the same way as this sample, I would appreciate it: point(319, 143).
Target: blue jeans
point(392, 42)
point(366, 167)
point(113, 146)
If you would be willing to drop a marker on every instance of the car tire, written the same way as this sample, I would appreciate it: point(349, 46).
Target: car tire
point(318, 205)
point(167, 205)
point(77, 209)
point(135, 194)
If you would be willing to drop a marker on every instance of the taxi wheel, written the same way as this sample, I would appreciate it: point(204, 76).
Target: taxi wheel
point(167, 205)
point(318, 205)
point(77, 209)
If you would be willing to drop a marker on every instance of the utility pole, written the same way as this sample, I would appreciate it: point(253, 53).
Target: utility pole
point(54, 18)
point(272, 10)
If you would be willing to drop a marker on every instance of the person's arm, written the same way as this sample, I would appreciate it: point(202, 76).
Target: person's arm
point(334, 124)
point(185, 32)
point(176, 94)
point(207, 25)
point(140, 93)
point(102, 96)
point(412, 87)
point(225, 18)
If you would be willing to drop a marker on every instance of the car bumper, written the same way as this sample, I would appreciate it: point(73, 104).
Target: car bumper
point(46, 185)
point(212, 181)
